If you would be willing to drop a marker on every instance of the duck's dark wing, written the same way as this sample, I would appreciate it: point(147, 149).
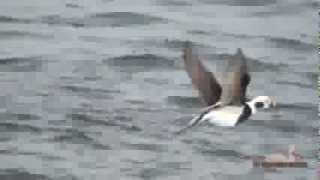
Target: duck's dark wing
point(203, 80)
point(237, 80)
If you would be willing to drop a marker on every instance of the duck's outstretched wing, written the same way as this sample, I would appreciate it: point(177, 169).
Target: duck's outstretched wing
point(236, 80)
point(208, 86)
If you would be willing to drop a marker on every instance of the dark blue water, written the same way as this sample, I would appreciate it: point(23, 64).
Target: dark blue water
point(96, 89)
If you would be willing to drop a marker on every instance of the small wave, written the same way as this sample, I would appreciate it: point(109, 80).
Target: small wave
point(111, 19)
point(20, 64)
point(254, 65)
point(143, 60)
point(170, 44)
point(241, 2)
point(87, 89)
point(300, 106)
point(15, 152)
point(135, 102)
point(146, 147)
point(14, 60)
point(130, 128)
point(88, 120)
point(22, 34)
point(221, 153)
point(150, 173)
point(91, 92)
point(74, 136)
point(188, 102)
point(312, 75)
point(298, 84)
point(58, 20)
point(290, 9)
point(125, 18)
point(290, 44)
point(239, 36)
point(275, 13)
point(73, 5)
point(121, 122)
point(18, 116)
point(122, 118)
point(8, 19)
point(13, 127)
point(285, 126)
point(16, 174)
point(313, 4)
point(199, 32)
point(172, 3)
point(162, 171)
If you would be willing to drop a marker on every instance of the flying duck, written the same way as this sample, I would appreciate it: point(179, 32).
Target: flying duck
point(227, 104)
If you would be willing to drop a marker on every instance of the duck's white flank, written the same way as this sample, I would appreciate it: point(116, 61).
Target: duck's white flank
point(225, 116)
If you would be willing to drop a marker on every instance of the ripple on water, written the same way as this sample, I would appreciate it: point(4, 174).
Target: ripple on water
point(241, 2)
point(14, 127)
point(73, 5)
point(127, 18)
point(173, 3)
point(143, 60)
point(130, 128)
point(107, 19)
point(294, 44)
point(174, 45)
point(17, 174)
point(283, 126)
point(73, 136)
point(9, 19)
point(124, 123)
point(186, 102)
point(20, 64)
point(88, 120)
point(96, 93)
point(145, 147)
point(253, 64)
point(221, 153)
point(16, 152)
point(298, 84)
point(19, 34)
point(18, 116)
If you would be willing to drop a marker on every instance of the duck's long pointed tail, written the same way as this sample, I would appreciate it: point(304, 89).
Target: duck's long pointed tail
point(195, 121)
point(200, 118)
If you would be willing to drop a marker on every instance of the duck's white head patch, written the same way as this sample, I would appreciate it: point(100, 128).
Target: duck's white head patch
point(265, 102)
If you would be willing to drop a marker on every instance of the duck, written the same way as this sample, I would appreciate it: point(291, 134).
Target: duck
point(292, 159)
point(226, 101)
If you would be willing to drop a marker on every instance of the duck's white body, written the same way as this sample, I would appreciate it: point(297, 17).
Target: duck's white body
point(225, 116)
point(230, 115)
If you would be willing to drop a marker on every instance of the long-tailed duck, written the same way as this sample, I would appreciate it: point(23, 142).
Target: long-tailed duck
point(226, 101)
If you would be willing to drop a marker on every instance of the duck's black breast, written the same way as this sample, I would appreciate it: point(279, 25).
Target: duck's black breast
point(246, 112)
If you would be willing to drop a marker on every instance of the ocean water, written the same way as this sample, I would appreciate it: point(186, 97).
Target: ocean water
point(95, 89)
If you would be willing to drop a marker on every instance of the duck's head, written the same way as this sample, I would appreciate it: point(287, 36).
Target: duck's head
point(294, 155)
point(261, 102)
point(292, 149)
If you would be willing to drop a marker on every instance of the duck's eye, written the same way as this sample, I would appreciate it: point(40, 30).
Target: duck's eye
point(259, 104)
